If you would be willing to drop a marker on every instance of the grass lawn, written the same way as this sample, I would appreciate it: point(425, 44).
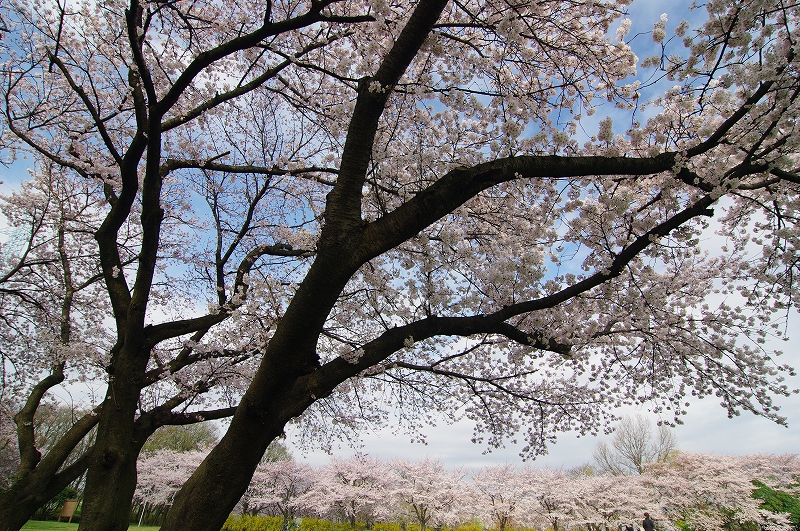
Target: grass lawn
point(63, 526)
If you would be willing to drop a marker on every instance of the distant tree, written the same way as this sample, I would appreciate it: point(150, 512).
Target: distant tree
point(161, 473)
point(634, 446)
point(603, 501)
point(354, 489)
point(427, 490)
point(277, 488)
point(182, 438)
point(553, 498)
point(586, 469)
point(502, 494)
point(276, 451)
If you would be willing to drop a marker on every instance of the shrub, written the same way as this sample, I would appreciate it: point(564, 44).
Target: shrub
point(315, 524)
point(252, 523)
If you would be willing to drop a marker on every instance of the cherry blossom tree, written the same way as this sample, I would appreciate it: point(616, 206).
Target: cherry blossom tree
point(340, 205)
point(702, 491)
point(161, 474)
point(51, 314)
point(428, 490)
point(277, 487)
point(553, 498)
point(353, 489)
point(606, 501)
point(504, 494)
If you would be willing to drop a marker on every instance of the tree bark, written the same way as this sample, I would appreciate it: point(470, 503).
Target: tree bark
point(111, 478)
point(19, 503)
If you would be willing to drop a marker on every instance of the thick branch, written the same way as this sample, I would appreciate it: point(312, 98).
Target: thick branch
point(182, 419)
point(29, 456)
point(461, 184)
point(149, 422)
point(344, 201)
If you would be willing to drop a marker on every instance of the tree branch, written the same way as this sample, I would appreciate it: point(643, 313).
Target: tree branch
point(344, 201)
point(175, 164)
point(29, 456)
point(380, 348)
point(157, 333)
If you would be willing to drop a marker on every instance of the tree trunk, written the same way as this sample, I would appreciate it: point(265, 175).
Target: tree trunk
point(111, 481)
point(17, 508)
point(209, 496)
point(422, 516)
point(111, 478)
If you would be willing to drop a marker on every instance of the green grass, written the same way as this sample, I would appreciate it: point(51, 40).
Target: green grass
point(63, 526)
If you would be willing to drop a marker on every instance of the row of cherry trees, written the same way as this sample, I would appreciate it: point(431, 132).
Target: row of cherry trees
point(706, 491)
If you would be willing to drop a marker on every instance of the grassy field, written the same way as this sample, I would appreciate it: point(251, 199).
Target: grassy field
point(63, 526)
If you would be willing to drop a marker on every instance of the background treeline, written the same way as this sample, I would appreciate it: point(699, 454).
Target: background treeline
point(686, 490)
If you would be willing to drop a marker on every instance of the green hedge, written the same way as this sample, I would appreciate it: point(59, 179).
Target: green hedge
point(315, 524)
point(252, 523)
point(275, 523)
